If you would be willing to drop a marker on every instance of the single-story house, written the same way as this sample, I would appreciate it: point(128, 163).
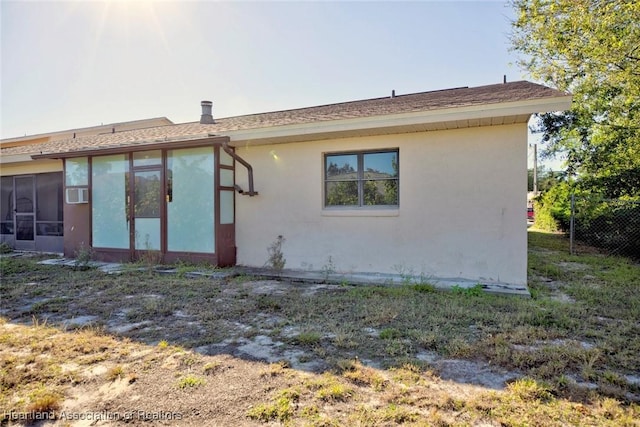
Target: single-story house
point(430, 183)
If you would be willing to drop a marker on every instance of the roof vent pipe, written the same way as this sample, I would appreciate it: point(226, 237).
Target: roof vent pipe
point(206, 118)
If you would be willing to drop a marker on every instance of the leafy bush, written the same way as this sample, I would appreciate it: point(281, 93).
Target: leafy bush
point(553, 208)
point(605, 223)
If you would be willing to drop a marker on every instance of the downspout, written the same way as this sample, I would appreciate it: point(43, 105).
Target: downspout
point(229, 151)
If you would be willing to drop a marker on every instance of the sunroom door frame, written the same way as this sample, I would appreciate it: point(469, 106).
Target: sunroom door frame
point(24, 244)
point(223, 247)
point(138, 251)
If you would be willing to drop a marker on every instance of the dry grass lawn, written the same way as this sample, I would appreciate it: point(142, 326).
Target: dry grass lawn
point(79, 346)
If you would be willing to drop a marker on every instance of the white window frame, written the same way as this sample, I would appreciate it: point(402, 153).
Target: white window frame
point(360, 179)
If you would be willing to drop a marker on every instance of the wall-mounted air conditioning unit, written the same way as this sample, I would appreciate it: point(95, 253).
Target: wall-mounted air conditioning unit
point(77, 195)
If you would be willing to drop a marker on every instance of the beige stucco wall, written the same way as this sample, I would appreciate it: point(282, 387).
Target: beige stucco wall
point(461, 214)
point(31, 167)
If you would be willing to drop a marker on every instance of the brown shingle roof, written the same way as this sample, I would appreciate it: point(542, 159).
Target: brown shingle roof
point(416, 102)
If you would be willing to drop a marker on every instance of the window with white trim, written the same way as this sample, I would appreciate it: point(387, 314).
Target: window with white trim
point(360, 179)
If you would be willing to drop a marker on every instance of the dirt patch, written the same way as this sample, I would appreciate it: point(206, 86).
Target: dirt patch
point(469, 372)
point(573, 266)
point(555, 288)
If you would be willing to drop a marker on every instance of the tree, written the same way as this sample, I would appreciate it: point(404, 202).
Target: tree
point(590, 48)
point(547, 178)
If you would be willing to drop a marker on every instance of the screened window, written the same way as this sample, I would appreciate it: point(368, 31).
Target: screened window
point(6, 205)
point(49, 203)
point(361, 179)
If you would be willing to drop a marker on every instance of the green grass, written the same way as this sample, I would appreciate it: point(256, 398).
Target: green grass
point(308, 338)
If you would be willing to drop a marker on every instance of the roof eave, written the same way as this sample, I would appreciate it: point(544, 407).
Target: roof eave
point(397, 121)
point(191, 141)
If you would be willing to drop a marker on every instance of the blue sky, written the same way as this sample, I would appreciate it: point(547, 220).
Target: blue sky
point(75, 64)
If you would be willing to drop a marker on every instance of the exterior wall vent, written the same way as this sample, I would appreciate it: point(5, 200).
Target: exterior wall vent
point(77, 195)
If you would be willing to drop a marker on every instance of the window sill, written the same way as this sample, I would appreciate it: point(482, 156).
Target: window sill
point(362, 212)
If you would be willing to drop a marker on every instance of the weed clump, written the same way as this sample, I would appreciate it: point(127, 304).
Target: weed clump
point(474, 291)
point(115, 373)
point(276, 258)
point(366, 376)
point(44, 401)
point(308, 338)
point(83, 256)
point(281, 410)
point(190, 381)
point(529, 389)
point(5, 248)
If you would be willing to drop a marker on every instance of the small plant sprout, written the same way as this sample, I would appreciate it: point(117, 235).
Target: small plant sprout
point(276, 258)
point(84, 255)
point(328, 269)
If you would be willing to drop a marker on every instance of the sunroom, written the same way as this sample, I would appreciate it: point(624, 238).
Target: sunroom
point(170, 200)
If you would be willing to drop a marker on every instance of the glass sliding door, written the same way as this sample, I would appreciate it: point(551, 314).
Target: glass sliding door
point(147, 199)
point(109, 207)
point(191, 200)
point(162, 200)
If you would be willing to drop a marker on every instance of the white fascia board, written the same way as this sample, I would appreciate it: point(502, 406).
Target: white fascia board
point(403, 119)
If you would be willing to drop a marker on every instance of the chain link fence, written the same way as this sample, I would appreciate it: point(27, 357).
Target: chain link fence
point(612, 225)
